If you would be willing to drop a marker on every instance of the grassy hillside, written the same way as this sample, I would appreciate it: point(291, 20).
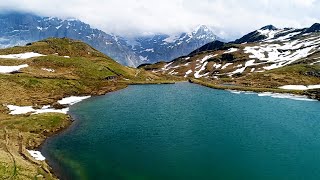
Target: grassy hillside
point(69, 68)
point(300, 74)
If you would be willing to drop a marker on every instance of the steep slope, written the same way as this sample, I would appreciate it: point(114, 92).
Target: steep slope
point(238, 63)
point(33, 79)
point(20, 28)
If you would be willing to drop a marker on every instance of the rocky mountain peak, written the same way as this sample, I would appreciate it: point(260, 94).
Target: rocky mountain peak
point(314, 28)
point(269, 27)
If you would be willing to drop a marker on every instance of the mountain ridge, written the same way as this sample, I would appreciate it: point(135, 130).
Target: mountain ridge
point(21, 28)
point(268, 57)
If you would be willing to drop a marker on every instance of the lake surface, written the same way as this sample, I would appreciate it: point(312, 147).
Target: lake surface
point(185, 131)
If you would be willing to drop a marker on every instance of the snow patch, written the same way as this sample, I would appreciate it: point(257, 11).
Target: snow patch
point(149, 50)
point(187, 64)
point(47, 69)
point(281, 55)
point(226, 65)
point(285, 96)
point(217, 66)
point(315, 63)
point(171, 39)
point(234, 92)
point(10, 69)
point(275, 95)
point(21, 56)
point(58, 27)
point(250, 63)
point(72, 100)
point(17, 110)
point(300, 87)
point(207, 58)
point(187, 73)
point(284, 38)
point(143, 58)
point(36, 155)
point(231, 50)
point(197, 73)
point(269, 33)
point(166, 66)
point(241, 70)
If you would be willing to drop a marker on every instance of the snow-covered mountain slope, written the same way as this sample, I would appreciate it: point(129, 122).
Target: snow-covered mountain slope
point(20, 29)
point(278, 48)
point(165, 48)
point(268, 33)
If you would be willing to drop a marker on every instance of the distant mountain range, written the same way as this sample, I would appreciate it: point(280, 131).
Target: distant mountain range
point(19, 29)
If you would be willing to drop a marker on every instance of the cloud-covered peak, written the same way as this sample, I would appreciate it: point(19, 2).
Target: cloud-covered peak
point(230, 18)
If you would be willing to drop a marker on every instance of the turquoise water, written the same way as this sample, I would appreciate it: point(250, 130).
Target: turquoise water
point(185, 131)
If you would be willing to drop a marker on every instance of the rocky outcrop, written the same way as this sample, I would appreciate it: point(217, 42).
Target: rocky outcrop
point(314, 94)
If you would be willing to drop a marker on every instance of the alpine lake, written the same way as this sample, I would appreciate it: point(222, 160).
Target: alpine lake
point(185, 131)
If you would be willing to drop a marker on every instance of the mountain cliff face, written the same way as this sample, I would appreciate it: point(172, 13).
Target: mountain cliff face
point(19, 29)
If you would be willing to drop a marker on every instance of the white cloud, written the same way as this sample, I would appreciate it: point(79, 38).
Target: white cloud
point(304, 2)
point(231, 18)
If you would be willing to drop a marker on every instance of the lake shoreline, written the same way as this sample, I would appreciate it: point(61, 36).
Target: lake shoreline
point(73, 119)
point(96, 135)
point(314, 96)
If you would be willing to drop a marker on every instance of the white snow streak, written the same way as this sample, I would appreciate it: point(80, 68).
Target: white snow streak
point(300, 87)
point(21, 56)
point(10, 69)
point(17, 110)
point(72, 100)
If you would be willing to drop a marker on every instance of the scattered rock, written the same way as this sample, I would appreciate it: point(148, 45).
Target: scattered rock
point(58, 106)
point(312, 73)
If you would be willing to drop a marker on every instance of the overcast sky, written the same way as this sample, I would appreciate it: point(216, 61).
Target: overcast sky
point(229, 18)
